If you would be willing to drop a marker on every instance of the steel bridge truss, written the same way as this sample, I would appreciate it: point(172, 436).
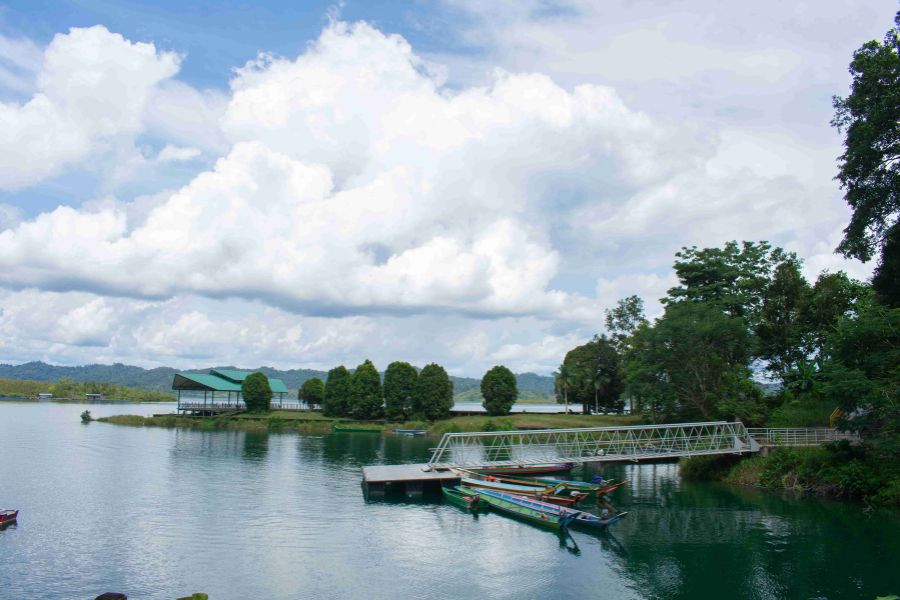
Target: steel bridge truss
point(639, 442)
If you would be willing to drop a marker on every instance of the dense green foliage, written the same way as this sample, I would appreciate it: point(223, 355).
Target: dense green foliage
point(336, 401)
point(366, 399)
point(591, 375)
point(66, 388)
point(256, 392)
point(869, 169)
point(434, 393)
point(312, 392)
point(399, 390)
point(498, 388)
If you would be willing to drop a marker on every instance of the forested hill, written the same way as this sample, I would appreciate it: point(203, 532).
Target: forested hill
point(531, 386)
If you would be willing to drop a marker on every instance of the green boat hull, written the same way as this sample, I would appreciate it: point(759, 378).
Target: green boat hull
point(470, 502)
point(522, 513)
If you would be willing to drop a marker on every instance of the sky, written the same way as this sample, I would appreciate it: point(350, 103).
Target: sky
point(307, 184)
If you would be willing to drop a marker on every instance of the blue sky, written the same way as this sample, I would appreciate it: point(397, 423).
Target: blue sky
point(309, 184)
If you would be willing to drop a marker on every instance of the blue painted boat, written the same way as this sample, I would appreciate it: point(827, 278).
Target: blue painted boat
point(581, 518)
point(411, 432)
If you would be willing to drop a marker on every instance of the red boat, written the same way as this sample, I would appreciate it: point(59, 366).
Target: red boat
point(7, 517)
point(524, 469)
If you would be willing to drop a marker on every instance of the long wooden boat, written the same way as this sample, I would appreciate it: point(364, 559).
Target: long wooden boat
point(8, 516)
point(348, 429)
point(595, 489)
point(542, 493)
point(554, 487)
point(461, 499)
point(581, 518)
point(521, 511)
point(525, 469)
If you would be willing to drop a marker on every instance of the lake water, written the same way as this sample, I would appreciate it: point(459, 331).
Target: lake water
point(160, 513)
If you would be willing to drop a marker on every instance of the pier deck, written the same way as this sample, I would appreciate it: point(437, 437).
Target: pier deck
point(413, 478)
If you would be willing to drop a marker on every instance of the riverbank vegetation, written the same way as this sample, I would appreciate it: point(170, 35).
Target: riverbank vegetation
point(68, 388)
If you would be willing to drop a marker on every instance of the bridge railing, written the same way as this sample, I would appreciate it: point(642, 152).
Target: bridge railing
point(636, 442)
point(805, 436)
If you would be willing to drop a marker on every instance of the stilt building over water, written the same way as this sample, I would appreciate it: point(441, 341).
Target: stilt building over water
point(219, 391)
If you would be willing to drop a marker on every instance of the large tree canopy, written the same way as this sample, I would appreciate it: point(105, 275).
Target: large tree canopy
point(312, 391)
point(336, 402)
point(399, 389)
point(498, 388)
point(257, 392)
point(591, 376)
point(434, 393)
point(366, 400)
point(870, 165)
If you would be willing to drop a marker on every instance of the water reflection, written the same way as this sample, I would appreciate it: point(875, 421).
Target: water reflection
point(256, 445)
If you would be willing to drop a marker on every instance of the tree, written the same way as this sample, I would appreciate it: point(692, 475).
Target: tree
point(257, 392)
point(886, 278)
point(732, 278)
point(399, 389)
point(593, 376)
point(562, 383)
point(622, 320)
point(312, 391)
point(366, 399)
point(693, 364)
point(782, 332)
point(434, 393)
point(336, 401)
point(498, 388)
point(869, 169)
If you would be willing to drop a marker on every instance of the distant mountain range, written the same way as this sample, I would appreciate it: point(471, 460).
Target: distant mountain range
point(532, 387)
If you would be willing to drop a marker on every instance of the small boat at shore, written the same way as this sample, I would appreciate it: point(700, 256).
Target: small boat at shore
point(522, 511)
point(410, 432)
point(461, 499)
point(575, 517)
point(525, 469)
point(8, 517)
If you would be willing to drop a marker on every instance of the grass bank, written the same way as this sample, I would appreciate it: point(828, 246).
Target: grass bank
point(838, 470)
point(315, 422)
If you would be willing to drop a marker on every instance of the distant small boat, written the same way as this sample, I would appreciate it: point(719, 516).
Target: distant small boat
point(410, 432)
point(461, 499)
point(344, 429)
point(7, 517)
point(524, 469)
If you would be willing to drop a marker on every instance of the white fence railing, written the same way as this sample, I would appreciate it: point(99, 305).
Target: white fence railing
point(806, 436)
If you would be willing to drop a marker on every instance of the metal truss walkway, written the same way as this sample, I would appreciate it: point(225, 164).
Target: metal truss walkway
point(631, 443)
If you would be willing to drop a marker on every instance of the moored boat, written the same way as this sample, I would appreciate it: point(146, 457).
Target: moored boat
point(8, 516)
point(461, 499)
point(553, 494)
point(579, 517)
point(595, 489)
point(410, 432)
point(524, 469)
point(521, 511)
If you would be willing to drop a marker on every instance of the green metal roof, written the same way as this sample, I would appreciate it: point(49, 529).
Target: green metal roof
point(218, 381)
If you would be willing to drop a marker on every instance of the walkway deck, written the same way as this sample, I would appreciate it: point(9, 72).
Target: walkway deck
point(413, 478)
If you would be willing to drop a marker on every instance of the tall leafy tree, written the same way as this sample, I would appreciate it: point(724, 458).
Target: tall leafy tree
point(336, 401)
point(434, 393)
point(498, 388)
point(593, 376)
point(257, 392)
point(312, 391)
point(869, 169)
point(399, 389)
point(366, 398)
point(783, 334)
point(622, 320)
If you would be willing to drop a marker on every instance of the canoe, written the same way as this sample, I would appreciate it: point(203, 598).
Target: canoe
point(8, 516)
point(523, 512)
point(525, 469)
point(542, 493)
point(594, 489)
point(461, 499)
point(581, 518)
point(344, 429)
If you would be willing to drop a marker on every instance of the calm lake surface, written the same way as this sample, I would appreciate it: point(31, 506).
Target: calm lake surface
point(160, 513)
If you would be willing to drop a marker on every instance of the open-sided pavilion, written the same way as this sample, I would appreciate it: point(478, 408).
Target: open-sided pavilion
point(219, 391)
